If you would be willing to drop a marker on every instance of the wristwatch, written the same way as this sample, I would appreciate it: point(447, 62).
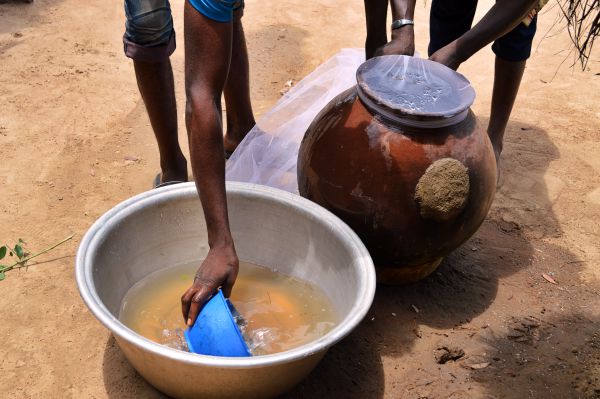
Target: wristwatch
point(399, 23)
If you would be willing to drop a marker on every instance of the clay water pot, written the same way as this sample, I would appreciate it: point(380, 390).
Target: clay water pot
point(402, 159)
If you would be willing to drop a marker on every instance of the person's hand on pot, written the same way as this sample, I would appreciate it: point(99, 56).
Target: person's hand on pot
point(402, 43)
point(448, 55)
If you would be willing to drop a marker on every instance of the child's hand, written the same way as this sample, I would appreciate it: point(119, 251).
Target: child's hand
point(219, 269)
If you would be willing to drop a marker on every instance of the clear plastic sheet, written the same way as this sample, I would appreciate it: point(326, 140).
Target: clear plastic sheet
point(269, 153)
point(391, 84)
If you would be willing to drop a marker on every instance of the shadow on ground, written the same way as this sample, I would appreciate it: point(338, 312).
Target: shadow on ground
point(545, 357)
point(17, 14)
point(120, 378)
point(351, 369)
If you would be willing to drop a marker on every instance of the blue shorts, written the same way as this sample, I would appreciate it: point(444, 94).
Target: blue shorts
point(450, 19)
point(149, 34)
point(218, 10)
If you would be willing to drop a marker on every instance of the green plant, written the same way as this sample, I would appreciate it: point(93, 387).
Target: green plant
point(22, 255)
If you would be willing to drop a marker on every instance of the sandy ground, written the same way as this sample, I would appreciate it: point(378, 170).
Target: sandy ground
point(75, 140)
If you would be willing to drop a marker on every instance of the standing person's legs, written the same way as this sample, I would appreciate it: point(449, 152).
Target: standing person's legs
point(149, 40)
point(507, 79)
point(240, 118)
point(155, 81)
point(376, 18)
point(512, 51)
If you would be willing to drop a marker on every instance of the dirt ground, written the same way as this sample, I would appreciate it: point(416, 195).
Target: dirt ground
point(75, 140)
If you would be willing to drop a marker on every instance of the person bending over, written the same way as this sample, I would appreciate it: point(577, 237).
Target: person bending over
point(216, 62)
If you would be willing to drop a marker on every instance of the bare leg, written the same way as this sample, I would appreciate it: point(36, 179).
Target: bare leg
point(240, 118)
point(155, 81)
point(507, 79)
point(376, 17)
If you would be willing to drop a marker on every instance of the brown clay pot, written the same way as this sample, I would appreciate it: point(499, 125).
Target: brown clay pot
point(413, 184)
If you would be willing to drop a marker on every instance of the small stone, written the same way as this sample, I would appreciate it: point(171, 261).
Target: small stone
point(445, 354)
point(478, 366)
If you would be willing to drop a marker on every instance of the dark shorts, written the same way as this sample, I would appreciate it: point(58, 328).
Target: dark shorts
point(149, 34)
point(450, 19)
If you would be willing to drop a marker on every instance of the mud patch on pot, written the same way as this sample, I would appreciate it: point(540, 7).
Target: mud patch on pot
point(443, 190)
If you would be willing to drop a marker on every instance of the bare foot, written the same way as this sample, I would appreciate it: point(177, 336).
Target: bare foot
point(230, 144)
point(499, 174)
point(176, 171)
point(497, 154)
point(231, 140)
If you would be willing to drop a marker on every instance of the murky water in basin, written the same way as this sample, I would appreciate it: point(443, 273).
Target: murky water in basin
point(279, 312)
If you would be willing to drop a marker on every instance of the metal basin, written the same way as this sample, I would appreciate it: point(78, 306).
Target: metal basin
point(165, 227)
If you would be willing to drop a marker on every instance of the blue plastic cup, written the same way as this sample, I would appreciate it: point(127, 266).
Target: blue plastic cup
point(215, 331)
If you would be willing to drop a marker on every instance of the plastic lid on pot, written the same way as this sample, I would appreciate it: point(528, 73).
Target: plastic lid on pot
point(414, 91)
